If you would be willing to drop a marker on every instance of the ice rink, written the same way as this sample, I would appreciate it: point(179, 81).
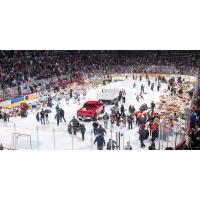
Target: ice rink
point(51, 136)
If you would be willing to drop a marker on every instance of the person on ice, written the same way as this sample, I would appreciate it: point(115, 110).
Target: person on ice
point(75, 124)
point(70, 93)
point(1, 147)
point(134, 85)
point(58, 118)
point(62, 115)
point(57, 108)
point(78, 99)
point(149, 82)
point(111, 145)
point(70, 129)
point(142, 89)
point(140, 77)
point(47, 117)
point(101, 131)
point(158, 87)
point(95, 126)
point(105, 120)
point(193, 120)
point(42, 117)
point(130, 122)
point(4, 117)
point(152, 86)
point(84, 93)
point(38, 116)
point(100, 142)
point(67, 98)
point(142, 137)
point(153, 105)
point(152, 146)
point(117, 117)
point(128, 146)
point(141, 96)
point(82, 129)
point(122, 109)
point(120, 95)
point(123, 116)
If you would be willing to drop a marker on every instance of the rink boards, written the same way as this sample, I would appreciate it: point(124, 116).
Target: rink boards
point(192, 79)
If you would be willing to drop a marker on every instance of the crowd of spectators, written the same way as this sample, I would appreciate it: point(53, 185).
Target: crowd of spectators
point(18, 67)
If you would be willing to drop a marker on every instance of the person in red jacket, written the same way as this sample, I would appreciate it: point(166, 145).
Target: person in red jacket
point(154, 131)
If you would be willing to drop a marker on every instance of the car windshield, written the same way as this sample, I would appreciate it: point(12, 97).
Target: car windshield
point(89, 105)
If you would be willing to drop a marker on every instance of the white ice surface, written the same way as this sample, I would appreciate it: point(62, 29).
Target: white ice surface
point(63, 140)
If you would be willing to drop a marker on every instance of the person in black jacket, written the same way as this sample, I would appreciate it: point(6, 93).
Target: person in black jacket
point(101, 131)
point(100, 142)
point(82, 129)
point(62, 115)
point(42, 115)
point(38, 116)
point(95, 126)
point(122, 109)
point(152, 146)
point(152, 106)
point(70, 93)
point(142, 137)
point(57, 117)
point(117, 116)
point(75, 124)
point(111, 145)
point(142, 88)
point(47, 117)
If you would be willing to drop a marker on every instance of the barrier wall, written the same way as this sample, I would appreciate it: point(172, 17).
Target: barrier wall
point(5, 103)
point(186, 77)
point(16, 100)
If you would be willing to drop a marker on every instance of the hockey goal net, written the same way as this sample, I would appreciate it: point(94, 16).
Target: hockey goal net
point(16, 137)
